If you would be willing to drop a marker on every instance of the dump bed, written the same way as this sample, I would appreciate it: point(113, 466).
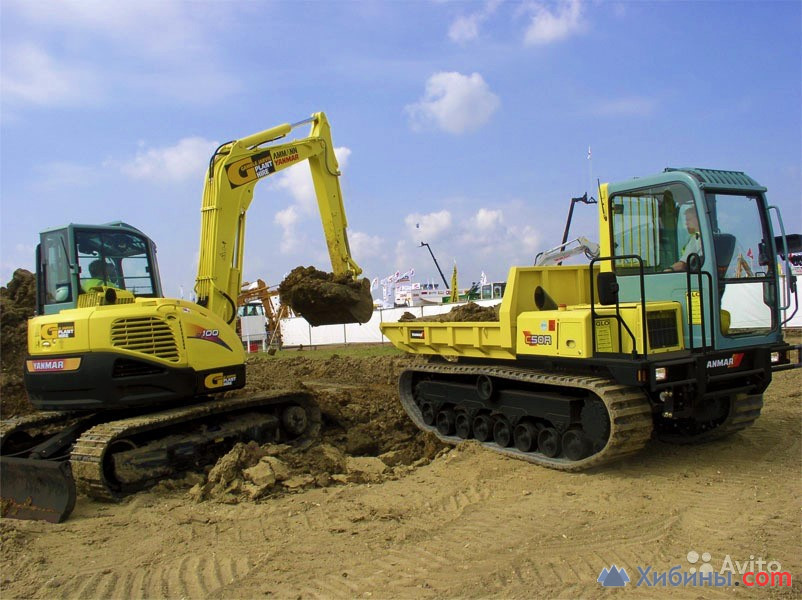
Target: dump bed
point(568, 285)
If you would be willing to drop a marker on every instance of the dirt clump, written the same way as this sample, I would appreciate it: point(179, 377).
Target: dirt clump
point(470, 312)
point(366, 436)
point(17, 305)
point(325, 298)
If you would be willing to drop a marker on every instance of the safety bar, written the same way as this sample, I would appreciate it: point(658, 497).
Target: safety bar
point(594, 316)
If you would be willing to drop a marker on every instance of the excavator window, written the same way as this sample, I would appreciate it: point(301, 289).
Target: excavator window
point(116, 259)
point(55, 268)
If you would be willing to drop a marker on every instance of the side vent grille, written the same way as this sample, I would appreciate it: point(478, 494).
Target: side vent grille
point(662, 325)
point(133, 368)
point(147, 335)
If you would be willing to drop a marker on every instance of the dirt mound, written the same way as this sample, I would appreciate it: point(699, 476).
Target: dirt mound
point(464, 312)
point(325, 298)
point(366, 435)
point(17, 305)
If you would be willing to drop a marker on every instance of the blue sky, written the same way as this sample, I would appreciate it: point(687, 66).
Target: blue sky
point(462, 124)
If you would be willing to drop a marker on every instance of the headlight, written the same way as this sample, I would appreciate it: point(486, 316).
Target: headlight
point(775, 357)
point(660, 373)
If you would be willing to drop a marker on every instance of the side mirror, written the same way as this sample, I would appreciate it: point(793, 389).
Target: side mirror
point(608, 288)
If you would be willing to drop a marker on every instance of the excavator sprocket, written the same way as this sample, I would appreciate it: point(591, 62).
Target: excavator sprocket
point(620, 414)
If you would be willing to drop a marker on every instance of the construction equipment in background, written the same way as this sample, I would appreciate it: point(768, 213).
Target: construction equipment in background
point(131, 376)
point(263, 294)
point(654, 335)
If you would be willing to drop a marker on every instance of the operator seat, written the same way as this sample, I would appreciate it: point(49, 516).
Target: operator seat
point(724, 247)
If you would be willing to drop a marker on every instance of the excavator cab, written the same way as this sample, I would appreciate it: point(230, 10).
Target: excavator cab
point(72, 260)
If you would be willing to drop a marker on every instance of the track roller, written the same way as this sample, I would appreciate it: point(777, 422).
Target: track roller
point(502, 431)
point(463, 425)
point(525, 436)
point(483, 428)
point(548, 441)
point(446, 421)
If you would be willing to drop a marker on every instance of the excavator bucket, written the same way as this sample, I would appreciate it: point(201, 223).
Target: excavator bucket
point(36, 490)
point(326, 299)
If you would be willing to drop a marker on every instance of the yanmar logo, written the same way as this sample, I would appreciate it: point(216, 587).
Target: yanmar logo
point(733, 362)
point(51, 365)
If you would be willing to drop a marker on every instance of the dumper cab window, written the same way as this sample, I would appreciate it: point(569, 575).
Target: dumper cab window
point(744, 263)
point(658, 224)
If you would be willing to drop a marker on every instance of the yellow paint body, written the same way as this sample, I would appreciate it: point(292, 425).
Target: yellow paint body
point(524, 330)
point(174, 333)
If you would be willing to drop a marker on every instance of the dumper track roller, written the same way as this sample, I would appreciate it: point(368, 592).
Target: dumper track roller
point(91, 459)
point(620, 414)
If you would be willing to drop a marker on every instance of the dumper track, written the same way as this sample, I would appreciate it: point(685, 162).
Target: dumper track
point(629, 411)
point(89, 454)
point(744, 411)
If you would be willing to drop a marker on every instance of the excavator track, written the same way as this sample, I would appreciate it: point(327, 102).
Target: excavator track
point(630, 414)
point(90, 456)
point(31, 422)
point(744, 411)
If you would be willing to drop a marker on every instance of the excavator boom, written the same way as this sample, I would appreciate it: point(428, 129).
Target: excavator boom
point(234, 170)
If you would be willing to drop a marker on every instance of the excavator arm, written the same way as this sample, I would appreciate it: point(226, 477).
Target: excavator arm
point(234, 170)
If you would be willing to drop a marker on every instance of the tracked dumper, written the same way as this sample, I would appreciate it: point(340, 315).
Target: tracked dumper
point(657, 335)
point(137, 387)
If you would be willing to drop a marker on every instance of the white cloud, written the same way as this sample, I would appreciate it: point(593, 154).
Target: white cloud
point(164, 29)
point(549, 26)
point(288, 219)
point(185, 160)
point(85, 51)
point(297, 180)
point(428, 227)
point(479, 241)
point(487, 219)
point(465, 28)
point(364, 246)
point(31, 76)
point(454, 103)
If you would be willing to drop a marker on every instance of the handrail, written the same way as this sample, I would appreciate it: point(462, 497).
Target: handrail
point(618, 318)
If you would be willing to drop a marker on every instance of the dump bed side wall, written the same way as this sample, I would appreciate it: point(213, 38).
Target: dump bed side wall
point(565, 285)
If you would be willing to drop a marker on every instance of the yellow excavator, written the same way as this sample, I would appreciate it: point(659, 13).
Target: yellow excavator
point(660, 333)
point(129, 380)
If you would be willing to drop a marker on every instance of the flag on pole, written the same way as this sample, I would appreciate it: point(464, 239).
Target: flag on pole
point(749, 253)
point(454, 290)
